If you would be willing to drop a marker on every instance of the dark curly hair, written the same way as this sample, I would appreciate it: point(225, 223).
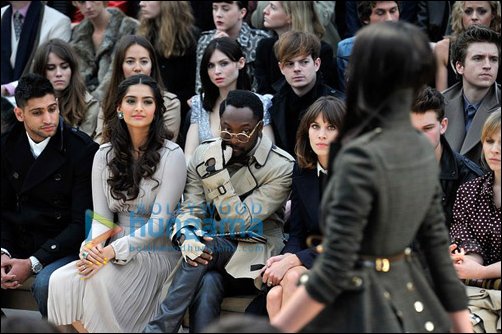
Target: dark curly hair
point(30, 86)
point(365, 8)
point(429, 99)
point(473, 34)
point(127, 172)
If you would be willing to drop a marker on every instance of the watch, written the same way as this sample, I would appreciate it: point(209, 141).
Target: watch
point(182, 236)
point(36, 266)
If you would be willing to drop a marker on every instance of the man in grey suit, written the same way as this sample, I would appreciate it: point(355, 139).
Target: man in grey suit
point(475, 55)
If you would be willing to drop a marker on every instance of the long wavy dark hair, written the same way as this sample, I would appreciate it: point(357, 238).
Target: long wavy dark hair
point(233, 51)
point(126, 171)
point(398, 56)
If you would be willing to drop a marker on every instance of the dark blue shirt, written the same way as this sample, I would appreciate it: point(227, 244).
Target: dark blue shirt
point(469, 112)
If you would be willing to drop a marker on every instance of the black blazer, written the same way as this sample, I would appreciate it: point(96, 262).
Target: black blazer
point(433, 19)
point(304, 218)
point(455, 171)
point(44, 200)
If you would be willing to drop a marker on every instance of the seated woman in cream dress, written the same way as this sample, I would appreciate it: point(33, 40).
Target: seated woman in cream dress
point(139, 177)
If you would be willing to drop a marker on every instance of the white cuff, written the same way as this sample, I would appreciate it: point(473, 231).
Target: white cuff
point(6, 252)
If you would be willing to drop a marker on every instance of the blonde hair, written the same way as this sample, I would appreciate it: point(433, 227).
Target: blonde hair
point(304, 17)
point(457, 13)
point(172, 32)
point(491, 127)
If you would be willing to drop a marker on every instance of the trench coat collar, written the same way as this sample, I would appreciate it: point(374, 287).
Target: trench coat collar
point(263, 150)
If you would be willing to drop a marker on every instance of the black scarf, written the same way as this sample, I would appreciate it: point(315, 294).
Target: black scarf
point(27, 41)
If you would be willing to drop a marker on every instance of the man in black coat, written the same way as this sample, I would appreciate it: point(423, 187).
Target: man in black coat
point(298, 55)
point(428, 116)
point(46, 189)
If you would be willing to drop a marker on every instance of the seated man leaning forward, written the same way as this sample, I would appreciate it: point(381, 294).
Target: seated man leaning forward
point(46, 189)
point(235, 191)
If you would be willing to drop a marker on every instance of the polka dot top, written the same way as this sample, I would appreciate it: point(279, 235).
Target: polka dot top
point(476, 220)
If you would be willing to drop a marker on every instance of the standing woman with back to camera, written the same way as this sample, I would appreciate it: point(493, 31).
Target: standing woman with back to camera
point(384, 194)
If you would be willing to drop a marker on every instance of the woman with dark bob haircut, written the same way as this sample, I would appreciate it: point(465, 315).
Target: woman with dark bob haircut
point(138, 178)
point(317, 129)
point(327, 110)
point(383, 196)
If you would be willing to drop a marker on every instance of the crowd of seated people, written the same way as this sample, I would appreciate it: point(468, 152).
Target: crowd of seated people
point(154, 162)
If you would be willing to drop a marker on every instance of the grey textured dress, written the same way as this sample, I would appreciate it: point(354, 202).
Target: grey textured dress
point(383, 196)
point(125, 293)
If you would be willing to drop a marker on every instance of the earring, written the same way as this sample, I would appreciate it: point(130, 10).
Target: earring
point(120, 115)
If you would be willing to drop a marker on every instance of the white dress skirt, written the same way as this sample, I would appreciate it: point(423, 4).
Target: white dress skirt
point(125, 294)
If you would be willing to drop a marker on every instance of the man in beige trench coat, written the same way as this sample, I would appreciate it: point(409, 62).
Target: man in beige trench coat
point(231, 219)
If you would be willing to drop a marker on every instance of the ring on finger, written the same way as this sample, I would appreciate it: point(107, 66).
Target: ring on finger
point(85, 254)
point(269, 283)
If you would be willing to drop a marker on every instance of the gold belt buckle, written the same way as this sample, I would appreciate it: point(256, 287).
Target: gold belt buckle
point(382, 264)
point(315, 241)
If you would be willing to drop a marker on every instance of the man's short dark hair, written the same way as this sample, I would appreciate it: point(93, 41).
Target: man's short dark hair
point(30, 86)
point(429, 99)
point(243, 99)
point(364, 9)
point(241, 4)
point(473, 34)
